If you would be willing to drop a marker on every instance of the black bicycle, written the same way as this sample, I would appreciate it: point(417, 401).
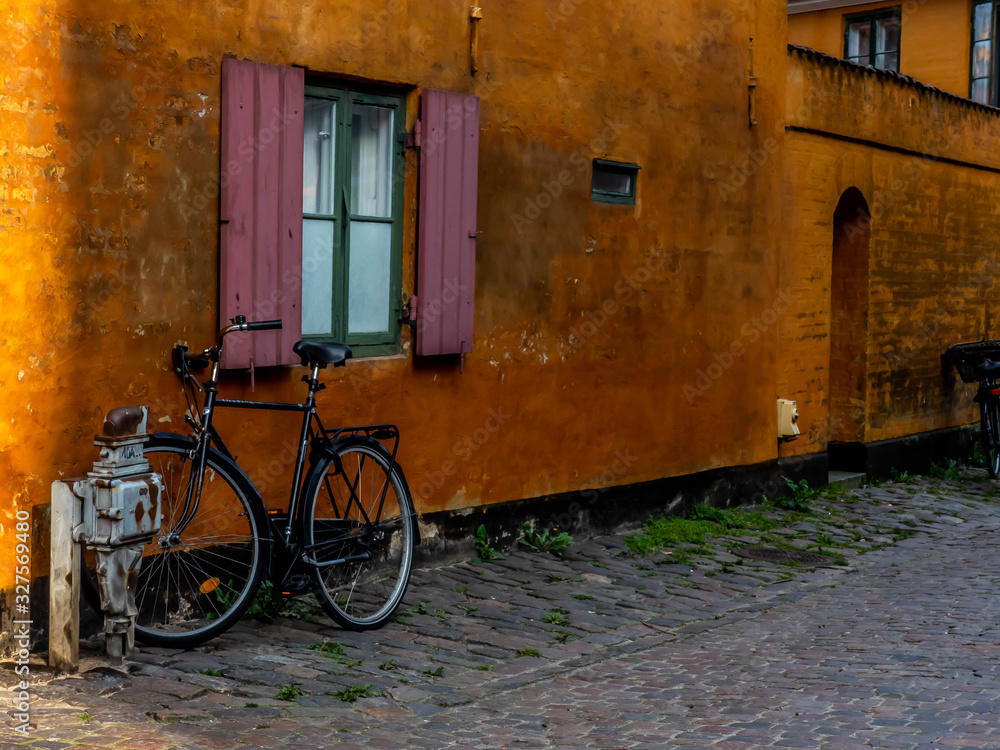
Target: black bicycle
point(348, 533)
point(976, 364)
point(988, 398)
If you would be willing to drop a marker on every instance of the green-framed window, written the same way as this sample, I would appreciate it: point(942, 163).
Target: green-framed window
point(613, 181)
point(982, 63)
point(873, 38)
point(352, 207)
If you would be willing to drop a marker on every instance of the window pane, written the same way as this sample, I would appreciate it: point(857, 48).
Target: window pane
point(368, 298)
point(981, 91)
point(886, 35)
point(888, 61)
point(982, 57)
point(317, 277)
point(982, 22)
point(607, 181)
point(371, 161)
point(858, 41)
point(317, 156)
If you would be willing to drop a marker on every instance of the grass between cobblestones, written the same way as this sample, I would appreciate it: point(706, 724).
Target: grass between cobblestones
point(810, 521)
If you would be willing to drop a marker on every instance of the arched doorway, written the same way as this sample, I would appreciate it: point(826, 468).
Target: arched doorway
point(849, 322)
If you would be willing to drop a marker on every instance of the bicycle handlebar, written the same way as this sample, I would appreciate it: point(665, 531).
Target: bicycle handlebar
point(183, 360)
point(240, 324)
point(264, 325)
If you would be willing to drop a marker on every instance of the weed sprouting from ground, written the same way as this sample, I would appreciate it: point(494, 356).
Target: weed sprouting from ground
point(543, 541)
point(705, 520)
point(665, 532)
point(289, 693)
point(557, 617)
point(942, 471)
point(801, 498)
point(900, 476)
point(336, 652)
point(734, 519)
point(354, 692)
point(484, 551)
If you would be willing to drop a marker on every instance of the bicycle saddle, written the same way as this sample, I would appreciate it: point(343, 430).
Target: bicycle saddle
point(322, 353)
point(989, 367)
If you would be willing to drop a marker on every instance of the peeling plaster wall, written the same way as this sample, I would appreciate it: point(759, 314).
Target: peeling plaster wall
point(601, 330)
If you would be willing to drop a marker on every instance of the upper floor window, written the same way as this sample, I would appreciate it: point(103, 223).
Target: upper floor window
point(873, 38)
point(982, 67)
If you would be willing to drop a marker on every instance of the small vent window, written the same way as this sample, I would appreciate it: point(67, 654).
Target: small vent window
point(614, 181)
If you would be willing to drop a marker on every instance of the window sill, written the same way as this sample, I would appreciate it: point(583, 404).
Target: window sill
point(375, 351)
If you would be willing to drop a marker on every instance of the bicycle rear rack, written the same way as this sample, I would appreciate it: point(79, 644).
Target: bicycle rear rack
point(381, 432)
point(967, 357)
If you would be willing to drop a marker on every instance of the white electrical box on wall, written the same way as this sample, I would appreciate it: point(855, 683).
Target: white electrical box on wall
point(788, 415)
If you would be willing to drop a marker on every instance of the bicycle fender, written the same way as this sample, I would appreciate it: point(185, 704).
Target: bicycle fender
point(323, 449)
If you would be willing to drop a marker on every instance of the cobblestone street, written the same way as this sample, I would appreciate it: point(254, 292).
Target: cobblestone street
point(893, 644)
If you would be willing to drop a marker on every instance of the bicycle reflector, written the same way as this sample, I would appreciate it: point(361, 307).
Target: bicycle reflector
point(207, 587)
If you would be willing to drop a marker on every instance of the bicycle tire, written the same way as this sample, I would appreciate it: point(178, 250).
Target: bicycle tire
point(990, 434)
point(364, 594)
point(194, 586)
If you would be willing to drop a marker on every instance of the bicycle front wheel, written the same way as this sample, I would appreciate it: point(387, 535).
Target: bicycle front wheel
point(200, 574)
point(359, 532)
point(989, 411)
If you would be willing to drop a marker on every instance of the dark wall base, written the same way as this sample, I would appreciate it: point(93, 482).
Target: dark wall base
point(449, 534)
point(912, 453)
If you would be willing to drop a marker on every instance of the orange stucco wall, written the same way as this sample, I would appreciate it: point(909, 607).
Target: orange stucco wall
point(929, 168)
point(934, 39)
point(601, 330)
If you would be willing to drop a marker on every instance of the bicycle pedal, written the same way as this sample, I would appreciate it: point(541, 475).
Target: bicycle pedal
point(297, 584)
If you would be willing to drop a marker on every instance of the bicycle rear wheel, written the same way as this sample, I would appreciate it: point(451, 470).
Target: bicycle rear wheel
point(198, 577)
point(989, 411)
point(360, 530)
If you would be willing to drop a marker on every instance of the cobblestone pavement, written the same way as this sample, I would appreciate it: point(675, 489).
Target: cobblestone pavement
point(896, 647)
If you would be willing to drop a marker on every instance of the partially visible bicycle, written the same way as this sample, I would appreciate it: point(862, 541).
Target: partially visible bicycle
point(348, 533)
point(989, 415)
point(979, 362)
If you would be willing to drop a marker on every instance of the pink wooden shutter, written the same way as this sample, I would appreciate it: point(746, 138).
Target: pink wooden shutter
point(446, 244)
point(261, 209)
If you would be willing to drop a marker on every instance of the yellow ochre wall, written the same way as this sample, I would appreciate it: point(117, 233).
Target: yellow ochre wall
point(934, 38)
point(601, 331)
point(929, 167)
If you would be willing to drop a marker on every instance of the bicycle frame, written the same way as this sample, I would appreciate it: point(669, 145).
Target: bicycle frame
point(988, 398)
point(321, 440)
point(348, 533)
point(987, 386)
